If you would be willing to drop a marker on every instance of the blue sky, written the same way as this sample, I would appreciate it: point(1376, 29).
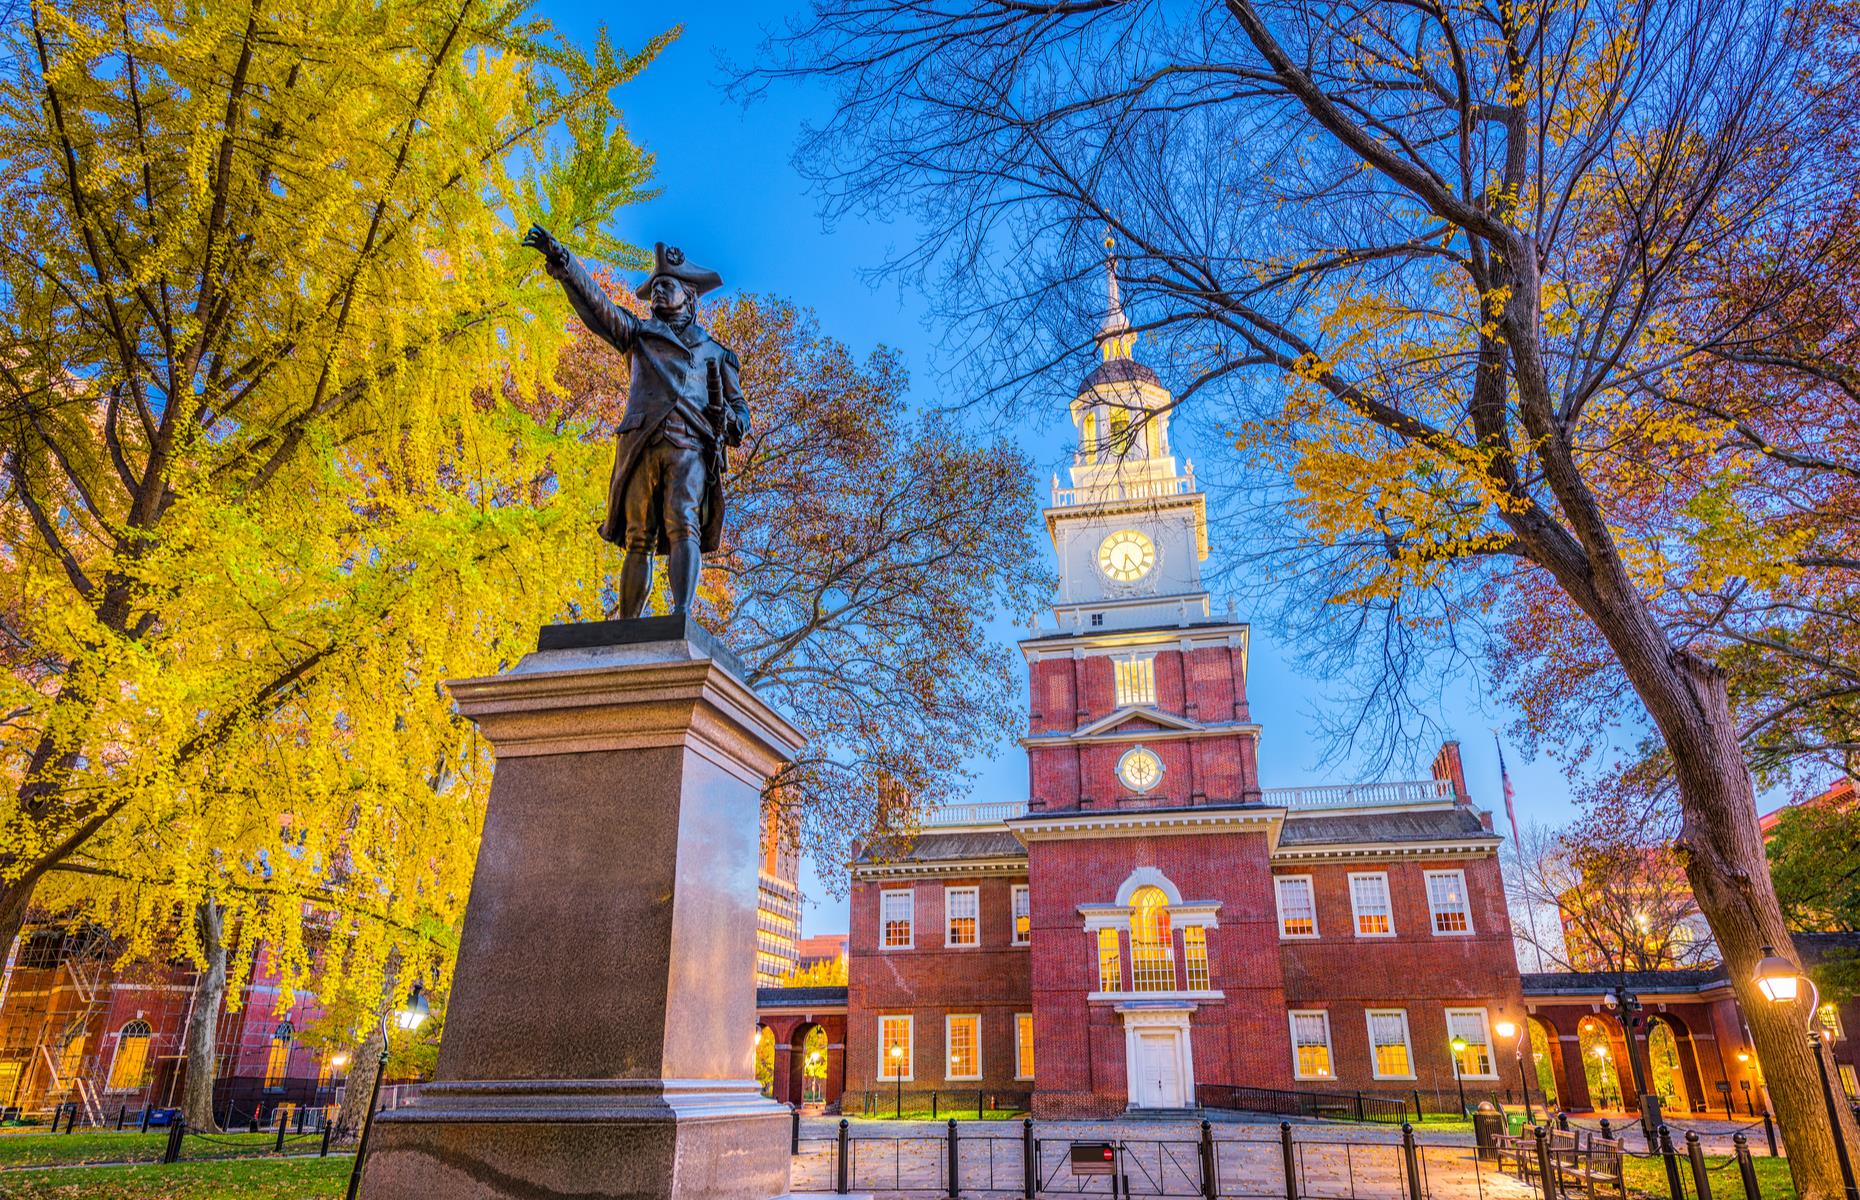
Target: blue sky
point(732, 200)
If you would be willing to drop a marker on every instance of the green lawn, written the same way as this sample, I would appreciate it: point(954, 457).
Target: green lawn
point(1648, 1175)
point(57, 1149)
point(278, 1179)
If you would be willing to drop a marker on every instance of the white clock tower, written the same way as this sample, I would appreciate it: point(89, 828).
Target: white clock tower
point(1131, 532)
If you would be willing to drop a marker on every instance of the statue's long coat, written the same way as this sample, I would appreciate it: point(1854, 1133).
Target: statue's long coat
point(666, 368)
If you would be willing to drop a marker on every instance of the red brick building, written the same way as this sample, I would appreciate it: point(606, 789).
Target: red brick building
point(1151, 918)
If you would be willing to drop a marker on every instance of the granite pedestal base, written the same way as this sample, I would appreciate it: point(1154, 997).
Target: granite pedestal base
point(599, 1038)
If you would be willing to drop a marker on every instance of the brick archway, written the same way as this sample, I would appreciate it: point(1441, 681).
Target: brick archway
point(790, 1029)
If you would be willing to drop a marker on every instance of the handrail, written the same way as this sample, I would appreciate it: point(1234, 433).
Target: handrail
point(1336, 1106)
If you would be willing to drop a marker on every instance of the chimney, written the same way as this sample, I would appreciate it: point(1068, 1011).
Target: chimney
point(1448, 769)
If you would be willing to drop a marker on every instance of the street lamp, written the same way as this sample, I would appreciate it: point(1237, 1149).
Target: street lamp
point(409, 1017)
point(897, 1072)
point(1779, 981)
point(1459, 1047)
point(1627, 1008)
point(1508, 1029)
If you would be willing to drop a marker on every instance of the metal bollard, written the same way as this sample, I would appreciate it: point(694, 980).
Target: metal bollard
point(794, 1129)
point(953, 1155)
point(1417, 1106)
point(1769, 1131)
point(1359, 1107)
point(1562, 1121)
point(1411, 1162)
point(328, 1128)
point(1673, 1186)
point(1029, 1160)
point(1607, 1129)
point(1546, 1179)
point(1291, 1160)
point(1695, 1154)
point(144, 1127)
point(301, 1112)
point(284, 1126)
point(176, 1132)
point(122, 1110)
point(1208, 1181)
point(845, 1147)
point(1746, 1169)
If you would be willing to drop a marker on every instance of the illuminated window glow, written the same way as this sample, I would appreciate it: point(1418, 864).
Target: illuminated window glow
point(1470, 1024)
point(278, 1056)
point(1446, 899)
point(1297, 908)
point(894, 1034)
point(1023, 1046)
point(1136, 681)
point(1195, 957)
point(1023, 915)
point(1369, 899)
point(1152, 950)
point(130, 1066)
point(1388, 1044)
point(962, 917)
point(1110, 965)
point(965, 1047)
point(1311, 1045)
point(894, 920)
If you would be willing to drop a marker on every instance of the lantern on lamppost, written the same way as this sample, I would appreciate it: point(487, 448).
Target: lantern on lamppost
point(1509, 1029)
point(1780, 982)
point(410, 1016)
point(1459, 1047)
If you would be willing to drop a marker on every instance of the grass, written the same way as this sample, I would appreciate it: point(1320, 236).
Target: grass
point(104, 1146)
point(1648, 1176)
point(278, 1179)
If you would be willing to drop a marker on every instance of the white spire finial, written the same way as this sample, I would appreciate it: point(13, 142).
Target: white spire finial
point(1114, 336)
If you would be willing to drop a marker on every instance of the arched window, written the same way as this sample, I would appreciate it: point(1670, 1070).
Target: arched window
point(1152, 951)
point(278, 1057)
point(130, 1065)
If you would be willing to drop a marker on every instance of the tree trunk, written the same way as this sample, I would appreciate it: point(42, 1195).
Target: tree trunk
point(15, 898)
point(204, 1019)
point(356, 1090)
point(1721, 846)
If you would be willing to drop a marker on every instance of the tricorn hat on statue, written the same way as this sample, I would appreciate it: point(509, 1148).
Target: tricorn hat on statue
point(670, 260)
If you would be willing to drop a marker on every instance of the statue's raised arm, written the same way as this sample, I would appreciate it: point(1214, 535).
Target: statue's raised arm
point(684, 405)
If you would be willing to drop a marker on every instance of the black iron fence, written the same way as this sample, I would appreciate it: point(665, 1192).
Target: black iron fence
point(1335, 1106)
point(942, 1103)
point(1263, 1164)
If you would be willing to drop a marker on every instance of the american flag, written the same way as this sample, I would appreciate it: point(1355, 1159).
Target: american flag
point(1504, 779)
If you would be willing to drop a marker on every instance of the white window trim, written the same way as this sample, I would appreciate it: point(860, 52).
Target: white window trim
point(1330, 1045)
point(1018, 1047)
point(910, 895)
point(1279, 906)
point(949, 892)
point(1407, 1039)
point(1138, 664)
point(910, 1028)
point(1491, 1052)
point(1014, 938)
point(949, 1021)
point(1356, 917)
point(1433, 914)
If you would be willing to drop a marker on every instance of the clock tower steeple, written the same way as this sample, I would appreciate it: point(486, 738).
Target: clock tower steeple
point(1131, 531)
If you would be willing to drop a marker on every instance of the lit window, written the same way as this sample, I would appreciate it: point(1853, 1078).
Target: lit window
point(1195, 957)
point(1469, 1024)
point(1023, 1046)
point(1136, 681)
point(894, 1048)
point(132, 1057)
point(1446, 898)
point(1023, 915)
point(1152, 950)
point(1297, 908)
point(965, 1047)
point(1311, 1044)
point(1849, 1083)
point(1388, 1044)
point(961, 913)
point(278, 1056)
point(1369, 898)
point(1120, 432)
point(324, 1070)
point(1831, 1020)
point(9, 1081)
point(1110, 969)
point(894, 920)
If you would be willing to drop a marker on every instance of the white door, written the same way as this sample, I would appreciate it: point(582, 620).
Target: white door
point(1159, 1074)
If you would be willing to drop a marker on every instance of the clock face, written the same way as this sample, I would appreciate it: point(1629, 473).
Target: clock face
point(1140, 769)
point(1126, 556)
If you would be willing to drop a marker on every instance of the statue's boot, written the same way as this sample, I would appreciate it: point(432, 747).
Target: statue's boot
point(635, 578)
point(681, 573)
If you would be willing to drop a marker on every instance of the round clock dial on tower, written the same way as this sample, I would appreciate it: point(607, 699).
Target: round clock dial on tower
point(1139, 769)
point(1126, 556)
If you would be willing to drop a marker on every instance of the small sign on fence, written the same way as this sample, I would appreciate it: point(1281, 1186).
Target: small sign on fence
point(1094, 1158)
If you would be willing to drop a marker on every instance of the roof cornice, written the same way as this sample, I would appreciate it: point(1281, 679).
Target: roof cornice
point(1471, 847)
point(1070, 826)
point(904, 869)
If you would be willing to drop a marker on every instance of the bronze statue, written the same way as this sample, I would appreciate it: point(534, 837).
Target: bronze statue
point(684, 405)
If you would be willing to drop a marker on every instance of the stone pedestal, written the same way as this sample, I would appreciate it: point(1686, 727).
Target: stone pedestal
point(600, 1031)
